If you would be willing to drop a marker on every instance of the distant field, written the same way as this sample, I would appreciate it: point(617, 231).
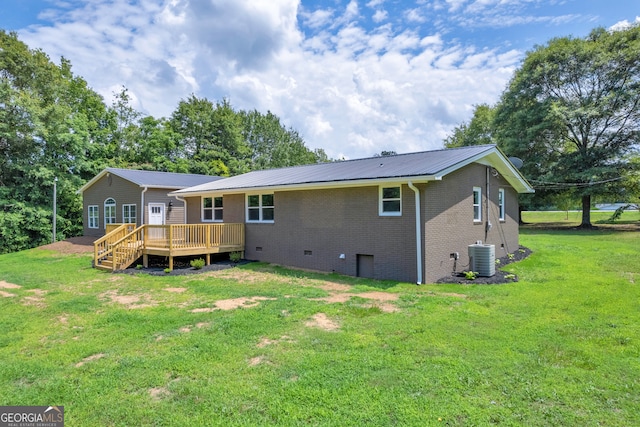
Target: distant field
point(574, 218)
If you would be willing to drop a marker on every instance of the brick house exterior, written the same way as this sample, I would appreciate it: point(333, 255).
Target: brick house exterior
point(358, 217)
point(123, 195)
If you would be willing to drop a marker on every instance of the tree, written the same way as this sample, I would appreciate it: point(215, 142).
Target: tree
point(572, 113)
point(479, 131)
point(47, 116)
point(272, 144)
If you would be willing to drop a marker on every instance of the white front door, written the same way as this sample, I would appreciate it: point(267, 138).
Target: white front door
point(156, 217)
point(156, 213)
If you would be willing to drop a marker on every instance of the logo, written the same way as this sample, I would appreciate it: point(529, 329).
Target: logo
point(31, 416)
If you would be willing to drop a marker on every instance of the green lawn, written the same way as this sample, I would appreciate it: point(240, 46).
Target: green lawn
point(561, 347)
point(574, 218)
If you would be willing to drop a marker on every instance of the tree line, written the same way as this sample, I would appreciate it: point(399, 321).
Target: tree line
point(53, 125)
point(571, 113)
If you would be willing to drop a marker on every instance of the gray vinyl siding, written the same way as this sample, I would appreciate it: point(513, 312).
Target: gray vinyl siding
point(126, 193)
point(112, 186)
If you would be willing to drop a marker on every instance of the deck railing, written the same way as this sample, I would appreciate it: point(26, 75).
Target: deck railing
point(102, 246)
point(190, 236)
point(128, 249)
point(120, 248)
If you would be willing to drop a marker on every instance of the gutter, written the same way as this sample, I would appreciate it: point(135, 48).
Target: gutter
point(418, 233)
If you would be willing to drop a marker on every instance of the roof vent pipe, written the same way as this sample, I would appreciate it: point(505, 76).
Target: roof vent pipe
point(418, 233)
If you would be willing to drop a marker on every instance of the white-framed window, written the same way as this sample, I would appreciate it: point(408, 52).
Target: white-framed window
point(477, 204)
point(94, 216)
point(129, 214)
point(501, 211)
point(260, 208)
point(212, 208)
point(109, 211)
point(390, 200)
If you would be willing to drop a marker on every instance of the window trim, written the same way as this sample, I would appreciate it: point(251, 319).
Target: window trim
point(93, 221)
point(501, 205)
point(260, 208)
point(135, 213)
point(381, 200)
point(107, 218)
point(478, 217)
point(213, 209)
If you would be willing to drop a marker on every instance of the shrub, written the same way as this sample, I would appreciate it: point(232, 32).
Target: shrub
point(197, 263)
point(470, 275)
point(235, 256)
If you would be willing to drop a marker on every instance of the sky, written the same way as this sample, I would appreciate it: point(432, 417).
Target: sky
point(354, 78)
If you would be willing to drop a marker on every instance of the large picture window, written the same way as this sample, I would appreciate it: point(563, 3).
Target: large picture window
point(129, 214)
point(212, 208)
point(390, 201)
point(260, 208)
point(94, 216)
point(109, 211)
point(477, 204)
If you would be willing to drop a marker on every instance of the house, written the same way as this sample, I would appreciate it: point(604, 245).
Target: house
point(116, 196)
point(408, 217)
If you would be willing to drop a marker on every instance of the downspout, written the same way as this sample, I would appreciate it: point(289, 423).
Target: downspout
point(142, 206)
point(418, 233)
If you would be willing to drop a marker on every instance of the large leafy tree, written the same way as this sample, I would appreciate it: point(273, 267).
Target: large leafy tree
point(273, 145)
point(47, 119)
point(52, 125)
point(572, 113)
point(479, 130)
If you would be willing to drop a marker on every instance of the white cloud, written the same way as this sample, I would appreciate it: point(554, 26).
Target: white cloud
point(623, 25)
point(347, 88)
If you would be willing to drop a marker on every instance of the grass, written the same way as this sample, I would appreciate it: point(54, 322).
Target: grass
point(559, 347)
point(574, 218)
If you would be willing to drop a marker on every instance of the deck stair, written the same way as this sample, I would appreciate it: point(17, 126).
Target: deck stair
point(122, 246)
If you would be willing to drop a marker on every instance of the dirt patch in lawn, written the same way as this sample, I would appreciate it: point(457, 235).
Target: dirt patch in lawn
point(176, 290)
point(158, 393)
point(266, 341)
point(382, 300)
point(130, 301)
point(232, 304)
point(37, 300)
point(254, 361)
point(90, 359)
point(6, 285)
point(72, 245)
point(322, 321)
point(6, 294)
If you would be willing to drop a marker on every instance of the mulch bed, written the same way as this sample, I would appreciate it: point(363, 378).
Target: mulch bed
point(500, 277)
point(182, 265)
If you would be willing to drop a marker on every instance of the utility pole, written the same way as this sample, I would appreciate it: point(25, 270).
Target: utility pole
point(55, 207)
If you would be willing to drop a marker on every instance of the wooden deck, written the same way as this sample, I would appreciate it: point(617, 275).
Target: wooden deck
point(122, 246)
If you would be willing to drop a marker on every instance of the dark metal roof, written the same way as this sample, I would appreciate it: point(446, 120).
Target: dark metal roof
point(421, 164)
point(153, 179)
point(162, 179)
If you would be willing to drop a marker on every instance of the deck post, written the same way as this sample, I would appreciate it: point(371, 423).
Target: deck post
point(170, 263)
point(145, 260)
point(208, 258)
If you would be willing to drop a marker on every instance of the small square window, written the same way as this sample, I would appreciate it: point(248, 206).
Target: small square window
point(390, 201)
